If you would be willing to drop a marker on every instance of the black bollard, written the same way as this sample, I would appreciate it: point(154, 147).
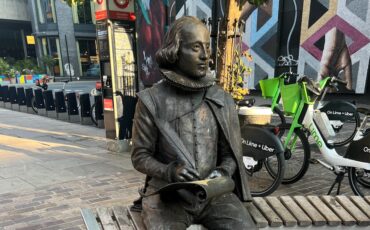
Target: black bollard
point(73, 113)
point(21, 99)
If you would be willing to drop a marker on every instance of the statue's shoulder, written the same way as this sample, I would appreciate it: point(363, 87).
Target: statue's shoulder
point(153, 90)
point(217, 94)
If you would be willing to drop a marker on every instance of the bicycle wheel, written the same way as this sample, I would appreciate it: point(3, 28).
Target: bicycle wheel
point(277, 120)
point(344, 119)
point(297, 155)
point(260, 182)
point(359, 180)
point(93, 114)
point(33, 104)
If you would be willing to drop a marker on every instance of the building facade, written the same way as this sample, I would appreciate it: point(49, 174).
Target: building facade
point(15, 25)
point(67, 34)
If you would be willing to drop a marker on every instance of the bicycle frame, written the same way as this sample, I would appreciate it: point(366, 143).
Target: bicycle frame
point(305, 117)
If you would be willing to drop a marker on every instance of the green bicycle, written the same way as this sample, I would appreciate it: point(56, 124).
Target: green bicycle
point(342, 116)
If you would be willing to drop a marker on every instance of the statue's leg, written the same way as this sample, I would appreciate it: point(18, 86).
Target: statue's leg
point(226, 212)
point(159, 215)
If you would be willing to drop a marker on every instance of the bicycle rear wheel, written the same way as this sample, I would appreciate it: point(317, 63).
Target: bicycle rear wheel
point(297, 155)
point(260, 182)
point(33, 104)
point(344, 119)
point(359, 180)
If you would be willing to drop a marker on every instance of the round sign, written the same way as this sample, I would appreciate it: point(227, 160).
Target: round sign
point(99, 1)
point(121, 3)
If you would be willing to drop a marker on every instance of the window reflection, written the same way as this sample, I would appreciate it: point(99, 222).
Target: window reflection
point(83, 13)
point(46, 11)
point(88, 58)
point(51, 47)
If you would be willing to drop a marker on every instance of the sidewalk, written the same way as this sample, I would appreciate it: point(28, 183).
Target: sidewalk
point(49, 169)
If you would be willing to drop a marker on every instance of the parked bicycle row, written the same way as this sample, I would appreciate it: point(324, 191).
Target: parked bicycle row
point(60, 104)
point(277, 151)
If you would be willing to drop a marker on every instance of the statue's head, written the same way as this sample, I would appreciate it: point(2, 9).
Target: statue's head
point(186, 48)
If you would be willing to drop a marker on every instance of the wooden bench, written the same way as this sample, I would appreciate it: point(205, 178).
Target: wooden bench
point(319, 212)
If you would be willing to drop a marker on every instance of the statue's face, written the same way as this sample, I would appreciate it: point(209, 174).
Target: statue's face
point(194, 52)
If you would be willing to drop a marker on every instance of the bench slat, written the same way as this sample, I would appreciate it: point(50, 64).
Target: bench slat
point(346, 218)
point(90, 219)
point(316, 217)
point(296, 211)
point(122, 219)
point(136, 219)
point(367, 198)
point(333, 220)
point(105, 216)
point(361, 218)
point(273, 219)
point(280, 209)
point(258, 218)
point(361, 204)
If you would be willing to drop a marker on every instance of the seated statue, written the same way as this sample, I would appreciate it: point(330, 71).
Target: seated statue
point(186, 129)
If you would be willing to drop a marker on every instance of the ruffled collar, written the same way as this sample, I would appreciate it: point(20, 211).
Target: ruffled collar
point(187, 83)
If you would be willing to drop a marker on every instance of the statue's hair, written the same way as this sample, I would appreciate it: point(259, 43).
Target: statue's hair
point(167, 55)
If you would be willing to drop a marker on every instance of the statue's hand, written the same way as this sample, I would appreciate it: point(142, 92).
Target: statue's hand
point(182, 173)
point(217, 173)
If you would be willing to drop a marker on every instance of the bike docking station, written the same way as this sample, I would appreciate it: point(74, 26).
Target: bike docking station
point(116, 39)
point(3, 93)
point(21, 100)
point(29, 96)
point(99, 117)
point(73, 113)
point(7, 103)
point(39, 102)
point(60, 106)
point(13, 98)
point(85, 117)
point(49, 104)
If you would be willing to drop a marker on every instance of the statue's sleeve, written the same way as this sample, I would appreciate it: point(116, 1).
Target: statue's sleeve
point(144, 139)
point(225, 155)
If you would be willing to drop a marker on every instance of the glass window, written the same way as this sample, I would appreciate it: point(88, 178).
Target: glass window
point(51, 47)
point(88, 58)
point(83, 13)
point(46, 11)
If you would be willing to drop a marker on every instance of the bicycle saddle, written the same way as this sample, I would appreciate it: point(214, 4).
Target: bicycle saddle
point(311, 85)
point(247, 102)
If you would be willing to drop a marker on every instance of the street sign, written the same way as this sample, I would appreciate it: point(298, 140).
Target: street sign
point(114, 9)
point(30, 40)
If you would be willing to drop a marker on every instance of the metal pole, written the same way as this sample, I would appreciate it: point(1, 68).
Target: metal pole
point(69, 63)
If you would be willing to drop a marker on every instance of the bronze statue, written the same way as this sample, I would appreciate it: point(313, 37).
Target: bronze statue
point(186, 129)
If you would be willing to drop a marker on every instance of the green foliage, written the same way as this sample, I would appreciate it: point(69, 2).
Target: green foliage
point(26, 65)
point(12, 72)
point(238, 73)
point(4, 66)
point(48, 60)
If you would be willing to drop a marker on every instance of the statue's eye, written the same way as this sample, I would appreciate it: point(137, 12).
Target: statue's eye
point(196, 46)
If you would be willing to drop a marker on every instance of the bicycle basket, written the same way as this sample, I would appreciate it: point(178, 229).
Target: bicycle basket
point(291, 96)
point(269, 87)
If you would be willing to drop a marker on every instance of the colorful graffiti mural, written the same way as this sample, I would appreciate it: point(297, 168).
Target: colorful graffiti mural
point(151, 18)
point(22, 79)
point(335, 38)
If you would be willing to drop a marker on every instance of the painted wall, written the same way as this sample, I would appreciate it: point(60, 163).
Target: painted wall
point(151, 21)
point(335, 37)
point(283, 32)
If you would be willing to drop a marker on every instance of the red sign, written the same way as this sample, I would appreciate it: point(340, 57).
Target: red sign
point(99, 1)
point(108, 104)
